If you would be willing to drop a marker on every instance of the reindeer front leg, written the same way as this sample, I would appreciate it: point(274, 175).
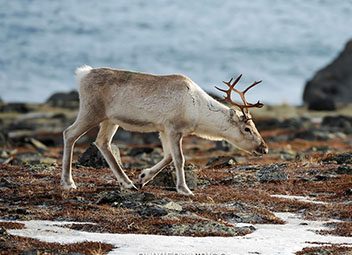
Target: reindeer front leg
point(148, 174)
point(175, 143)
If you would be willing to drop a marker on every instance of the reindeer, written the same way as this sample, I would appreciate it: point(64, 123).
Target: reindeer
point(172, 105)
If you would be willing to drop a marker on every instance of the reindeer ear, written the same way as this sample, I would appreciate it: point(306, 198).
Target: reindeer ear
point(233, 114)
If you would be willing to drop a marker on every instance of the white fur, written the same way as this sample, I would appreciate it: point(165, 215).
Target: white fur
point(81, 72)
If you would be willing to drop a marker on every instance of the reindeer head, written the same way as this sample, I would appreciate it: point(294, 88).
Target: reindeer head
point(243, 133)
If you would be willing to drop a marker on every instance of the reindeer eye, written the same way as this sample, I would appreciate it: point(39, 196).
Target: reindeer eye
point(247, 129)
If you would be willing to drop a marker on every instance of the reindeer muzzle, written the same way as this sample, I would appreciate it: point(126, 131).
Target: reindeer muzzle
point(262, 149)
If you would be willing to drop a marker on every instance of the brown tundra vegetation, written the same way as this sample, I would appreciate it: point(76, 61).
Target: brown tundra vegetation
point(310, 156)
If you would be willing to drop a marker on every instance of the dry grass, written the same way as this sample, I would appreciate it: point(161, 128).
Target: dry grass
point(326, 250)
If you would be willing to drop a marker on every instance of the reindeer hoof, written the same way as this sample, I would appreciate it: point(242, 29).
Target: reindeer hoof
point(139, 185)
point(68, 185)
point(184, 190)
point(128, 187)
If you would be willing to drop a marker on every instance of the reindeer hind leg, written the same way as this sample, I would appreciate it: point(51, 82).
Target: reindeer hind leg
point(71, 135)
point(103, 143)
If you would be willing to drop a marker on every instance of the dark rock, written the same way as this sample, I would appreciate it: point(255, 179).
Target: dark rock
point(15, 107)
point(278, 138)
point(223, 161)
point(4, 139)
point(167, 178)
point(4, 183)
point(338, 123)
point(2, 231)
point(19, 137)
point(314, 135)
point(331, 85)
point(272, 173)
point(110, 197)
point(137, 138)
point(344, 169)
point(93, 158)
point(348, 192)
point(343, 158)
point(222, 146)
point(323, 177)
point(289, 123)
point(152, 210)
point(144, 158)
point(139, 150)
point(21, 211)
point(64, 100)
point(322, 104)
point(268, 124)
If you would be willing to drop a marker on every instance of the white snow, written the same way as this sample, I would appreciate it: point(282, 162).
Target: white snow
point(300, 198)
point(267, 239)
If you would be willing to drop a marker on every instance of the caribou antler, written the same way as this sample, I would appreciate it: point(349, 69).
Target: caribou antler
point(244, 107)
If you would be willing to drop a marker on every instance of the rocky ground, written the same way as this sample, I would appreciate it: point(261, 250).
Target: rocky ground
point(310, 155)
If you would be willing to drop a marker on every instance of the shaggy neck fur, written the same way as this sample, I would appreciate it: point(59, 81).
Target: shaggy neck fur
point(214, 119)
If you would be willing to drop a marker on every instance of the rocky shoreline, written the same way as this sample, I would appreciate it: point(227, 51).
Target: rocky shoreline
point(310, 155)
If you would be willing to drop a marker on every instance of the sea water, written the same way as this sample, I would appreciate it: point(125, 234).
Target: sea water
point(280, 42)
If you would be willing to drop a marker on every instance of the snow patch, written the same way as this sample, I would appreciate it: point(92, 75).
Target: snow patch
point(305, 199)
point(267, 239)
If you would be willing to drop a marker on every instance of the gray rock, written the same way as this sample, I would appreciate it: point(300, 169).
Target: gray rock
point(167, 177)
point(331, 85)
point(219, 162)
point(286, 154)
point(272, 173)
point(93, 158)
point(209, 228)
point(39, 146)
point(152, 211)
point(172, 206)
point(34, 160)
point(64, 100)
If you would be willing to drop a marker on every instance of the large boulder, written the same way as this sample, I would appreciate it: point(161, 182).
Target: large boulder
point(14, 107)
point(332, 85)
point(64, 100)
point(92, 157)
